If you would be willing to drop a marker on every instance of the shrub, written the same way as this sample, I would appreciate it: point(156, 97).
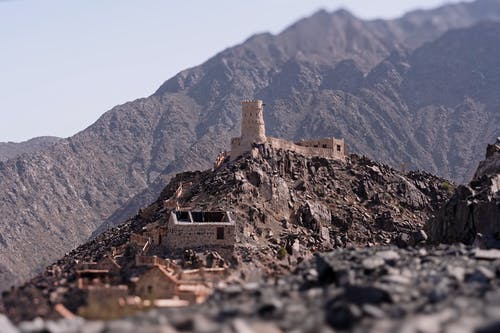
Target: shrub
point(447, 187)
point(282, 253)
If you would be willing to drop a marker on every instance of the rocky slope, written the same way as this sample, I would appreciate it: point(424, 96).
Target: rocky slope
point(286, 207)
point(54, 199)
point(10, 150)
point(473, 212)
point(378, 289)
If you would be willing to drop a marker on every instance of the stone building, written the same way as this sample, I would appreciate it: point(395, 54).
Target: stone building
point(160, 283)
point(107, 262)
point(156, 283)
point(89, 277)
point(106, 302)
point(253, 132)
point(198, 230)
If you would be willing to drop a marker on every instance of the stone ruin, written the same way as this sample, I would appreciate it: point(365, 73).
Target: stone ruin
point(199, 229)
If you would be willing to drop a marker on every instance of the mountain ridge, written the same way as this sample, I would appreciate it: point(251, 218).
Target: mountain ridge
point(9, 150)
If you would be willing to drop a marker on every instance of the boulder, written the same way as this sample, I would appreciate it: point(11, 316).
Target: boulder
point(473, 209)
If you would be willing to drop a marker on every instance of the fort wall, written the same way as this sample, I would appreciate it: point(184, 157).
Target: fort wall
point(253, 132)
point(327, 147)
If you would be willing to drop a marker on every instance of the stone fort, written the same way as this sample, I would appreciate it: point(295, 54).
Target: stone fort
point(253, 132)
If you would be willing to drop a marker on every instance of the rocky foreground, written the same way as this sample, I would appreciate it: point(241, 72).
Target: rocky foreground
point(452, 288)
point(472, 215)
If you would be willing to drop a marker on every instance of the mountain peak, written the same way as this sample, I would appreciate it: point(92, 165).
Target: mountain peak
point(342, 12)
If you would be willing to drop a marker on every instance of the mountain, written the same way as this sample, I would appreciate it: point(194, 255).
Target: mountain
point(54, 199)
point(281, 201)
point(10, 150)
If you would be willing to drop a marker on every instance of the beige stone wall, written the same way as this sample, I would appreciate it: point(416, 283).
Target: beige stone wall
point(139, 240)
point(312, 151)
point(154, 261)
point(186, 234)
point(109, 264)
point(104, 303)
point(198, 235)
point(193, 293)
point(154, 284)
point(210, 275)
point(337, 145)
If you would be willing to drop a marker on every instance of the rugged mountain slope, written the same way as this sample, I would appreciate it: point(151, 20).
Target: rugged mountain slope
point(279, 200)
point(12, 149)
point(54, 199)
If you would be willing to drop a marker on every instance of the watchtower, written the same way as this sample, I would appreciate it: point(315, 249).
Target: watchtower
point(252, 127)
point(252, 122)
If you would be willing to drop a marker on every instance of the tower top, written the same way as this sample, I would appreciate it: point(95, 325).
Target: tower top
point(259, 101)
point(252, 105)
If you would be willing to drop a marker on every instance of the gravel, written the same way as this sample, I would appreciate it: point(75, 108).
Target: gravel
point(380, 289)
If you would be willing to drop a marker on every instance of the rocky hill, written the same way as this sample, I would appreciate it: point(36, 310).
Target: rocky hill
point(472, 215)
point(10, 150)
point(325, 85)
point(286, 208)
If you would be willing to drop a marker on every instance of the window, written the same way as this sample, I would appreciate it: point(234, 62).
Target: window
point(315, 146)
point(324, 146)
point(150, 289)
point(220, 232)
point(338, 148)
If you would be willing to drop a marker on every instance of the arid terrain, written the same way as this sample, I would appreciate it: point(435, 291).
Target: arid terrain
point(341, 175)
point(410, 92)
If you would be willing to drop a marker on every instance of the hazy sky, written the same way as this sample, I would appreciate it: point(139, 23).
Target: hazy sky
point(64, 63)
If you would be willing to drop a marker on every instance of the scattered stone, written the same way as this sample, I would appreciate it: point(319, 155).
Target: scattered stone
point(481, 274)
point(36, 325)
point(388, 255)
point(6, 326)
point(442, 289)
point(93, 327)
point(457, 272)
point(403, 240)
point(372, 262)
point(491, 254)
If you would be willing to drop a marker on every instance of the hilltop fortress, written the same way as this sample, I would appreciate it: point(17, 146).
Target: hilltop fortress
point(253, 132)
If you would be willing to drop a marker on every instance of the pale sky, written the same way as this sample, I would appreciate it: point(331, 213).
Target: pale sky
point(64, 63)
